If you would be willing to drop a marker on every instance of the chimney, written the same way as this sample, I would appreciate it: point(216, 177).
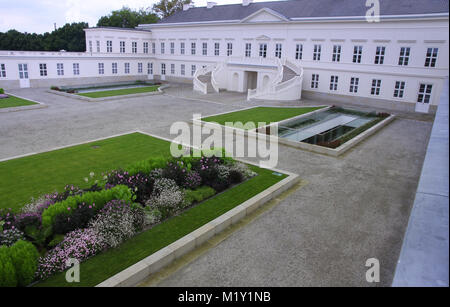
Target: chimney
point(246, 2)
point(210, 4)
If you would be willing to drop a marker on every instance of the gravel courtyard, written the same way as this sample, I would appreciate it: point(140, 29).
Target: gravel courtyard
point(352, 208)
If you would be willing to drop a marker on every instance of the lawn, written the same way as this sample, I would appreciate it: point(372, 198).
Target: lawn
point(113, 261)
point(33, 176)
point(13, 101)
point(260, 114)
point(127, 91)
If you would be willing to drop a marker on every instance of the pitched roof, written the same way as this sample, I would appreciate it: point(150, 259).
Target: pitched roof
point(308, 8)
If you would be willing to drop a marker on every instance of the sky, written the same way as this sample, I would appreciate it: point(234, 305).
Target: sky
point(39, 16)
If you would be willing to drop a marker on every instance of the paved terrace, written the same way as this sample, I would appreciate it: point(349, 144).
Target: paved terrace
point(352, 208)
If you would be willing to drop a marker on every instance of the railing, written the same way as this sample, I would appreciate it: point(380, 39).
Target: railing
point(215, 84)
point(199, 85)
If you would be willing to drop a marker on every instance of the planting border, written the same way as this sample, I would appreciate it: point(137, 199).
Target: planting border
point(335, 152)
point(138, 272)
point(39, 105)
point(160, 91)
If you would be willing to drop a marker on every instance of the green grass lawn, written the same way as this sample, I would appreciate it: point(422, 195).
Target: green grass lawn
point(260, 114)
point(111, 262)
point(13, 101)
point(127, 91)
point(33, 176)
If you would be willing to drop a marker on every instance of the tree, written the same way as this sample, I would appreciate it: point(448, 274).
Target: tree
point(70, 37)
point(166, 8)
point(127, 18)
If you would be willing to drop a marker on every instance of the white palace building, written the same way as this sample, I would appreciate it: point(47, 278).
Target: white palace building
point(283, 50)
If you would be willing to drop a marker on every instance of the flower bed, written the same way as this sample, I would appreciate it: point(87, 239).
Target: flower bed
point(82, 223)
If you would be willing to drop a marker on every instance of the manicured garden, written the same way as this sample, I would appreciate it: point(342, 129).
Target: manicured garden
point(260, 114)
point(127, 91)
point(13, 101)
point(118, 218)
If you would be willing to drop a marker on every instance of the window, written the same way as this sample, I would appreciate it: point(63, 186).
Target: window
point(140, 69)
point(399, 89)
point(357, 54)
point(183, 69)
point(229, 49)
point(60, 69)
point(122, 47)
point(278, 50)
point(376, 86)
point(216, 49)
point(172, 48)
point(193, 69)
point(182, 48)
point(163, 69)
point(299, 52)
point(90, 46)
point(354, 83)
point(127, 68)
point(334, 83)
point(336, 53)
point(263, 50)
point(153, 48)
point(172, 69)
point(317, 52)
point(43, 70)
point(431, 57)
point(315, 81)
point(379, 55)
point(145, 47)
point(404, 56)
point(163, 48)
point(424, 93)
point(98, 46)
point(248, 50)
point(193, 48)
point(101, 68)
point(108, 46)
point(114, 68)
point(134, 47)
point(23, 71)
point(205, 49)
point(2, 71)
point(150, 68)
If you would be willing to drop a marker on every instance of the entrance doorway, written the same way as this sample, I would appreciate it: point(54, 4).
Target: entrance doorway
point(252, 80)
point(23, 76)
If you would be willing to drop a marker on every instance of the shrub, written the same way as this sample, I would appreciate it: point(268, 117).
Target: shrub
point(236, 176)
point(146, 166)
point(116, 222)
point(24, 256)
point(99, 198)
point(79, 218)
point(24, 220)
point(157, 173)
point(167, 197)
point(7, 271)
point(243, 169)
point(10, 236)
point(79, 244)
point(40, 204)
point(152, 216)
point(139, 183)
point(176, 171)
point(2, 91)
point(55, 88)
point(7, 218)
point(192, 180)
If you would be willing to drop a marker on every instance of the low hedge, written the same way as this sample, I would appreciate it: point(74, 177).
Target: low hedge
point(99, 198)
point(199, 194)
point(18, 264)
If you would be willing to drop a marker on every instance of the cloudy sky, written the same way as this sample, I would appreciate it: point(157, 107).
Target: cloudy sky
point(40, 15)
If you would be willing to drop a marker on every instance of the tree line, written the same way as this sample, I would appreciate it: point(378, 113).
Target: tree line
point(71, 37)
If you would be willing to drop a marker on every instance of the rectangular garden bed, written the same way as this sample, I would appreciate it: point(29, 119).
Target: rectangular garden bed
point(200, 201)
point(13, 101)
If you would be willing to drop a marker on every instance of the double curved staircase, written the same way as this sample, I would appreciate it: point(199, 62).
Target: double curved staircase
point(286, 85)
